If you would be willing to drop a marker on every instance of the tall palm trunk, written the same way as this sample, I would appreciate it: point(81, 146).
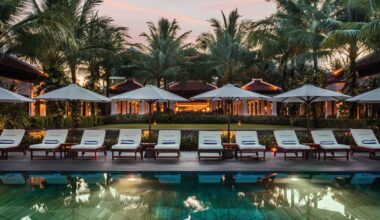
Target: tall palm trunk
point(352, 83)
point(73, 71)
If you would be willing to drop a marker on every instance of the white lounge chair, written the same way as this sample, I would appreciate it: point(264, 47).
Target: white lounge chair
point(10, 141)
point(51, 143)
point(287, 142)
point(365, 140)
point(168, 142)
point(92, 141)
point(129, 142)
point(210, 142)
point(326, 142)
point(248, 142)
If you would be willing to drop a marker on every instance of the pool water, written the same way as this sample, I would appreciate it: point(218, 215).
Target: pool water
point(189, 196)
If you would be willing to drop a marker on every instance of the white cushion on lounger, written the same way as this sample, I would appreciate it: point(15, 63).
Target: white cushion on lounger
point(335, 146)
point(295, 147)
point(250, 137)
point(362, 135)
point(210, 147)
point(168, 139)
point(253, 147)
point(125, 146)
point(44, 146)
point(52, 139)
point(128, 135)
point(210, 136)
point(327, 140)
point(289, 136)
point(12, 136)
point(95, 136)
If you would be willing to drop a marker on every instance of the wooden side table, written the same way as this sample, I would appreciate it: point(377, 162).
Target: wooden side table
point(313, 148)
point(149, 149)
point(66, 149)
point(229, 148)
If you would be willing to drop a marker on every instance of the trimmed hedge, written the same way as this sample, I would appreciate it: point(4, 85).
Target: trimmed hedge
point(200, 118)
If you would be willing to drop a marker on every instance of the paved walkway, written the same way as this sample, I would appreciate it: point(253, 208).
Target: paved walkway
point(189, 162)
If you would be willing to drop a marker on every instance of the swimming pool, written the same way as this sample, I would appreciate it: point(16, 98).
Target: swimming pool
point(189, 195)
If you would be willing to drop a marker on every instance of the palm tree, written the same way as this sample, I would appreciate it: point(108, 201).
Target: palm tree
point(226, 46)
point(293, 34)
point(165, 55)
point(345, 37)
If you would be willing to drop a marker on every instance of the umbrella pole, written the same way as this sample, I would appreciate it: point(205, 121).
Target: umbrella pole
point(308, 120)
point(72, 121)
point(150, 118)
point(229, 108)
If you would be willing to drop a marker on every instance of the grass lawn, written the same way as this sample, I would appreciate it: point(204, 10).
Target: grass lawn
point(199, 126)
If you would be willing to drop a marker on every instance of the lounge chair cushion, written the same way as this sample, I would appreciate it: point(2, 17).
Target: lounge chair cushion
point(210, 147)
point(327, 143)
point(289, 143)
point(369, 142)
point(90, 143)
point(3, 141)
point(365, 138)
point(51, 142)
point(167, 146)
point(4, 146)
point(168, 139)
point(125, 146)
point(11, 138)
point(82, 146)
point(210, 142)
point(168, 142)
point(335, 146)
point(295, 147)
point(91, 139)
point(44, 146)
point(252, 142)
point(127, 142)
point(251, 146)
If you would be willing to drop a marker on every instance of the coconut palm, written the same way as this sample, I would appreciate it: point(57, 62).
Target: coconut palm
point(225, 46)
point(9, 9)
point(165, 55)
point(292, 35)
point(345, 37)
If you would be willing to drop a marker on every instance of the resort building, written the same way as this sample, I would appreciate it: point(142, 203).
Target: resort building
point(126, 107)
point(260, 107)
point(189, 89)
point(22, 76)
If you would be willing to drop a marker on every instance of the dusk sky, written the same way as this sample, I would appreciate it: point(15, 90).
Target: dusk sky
point(191, 14)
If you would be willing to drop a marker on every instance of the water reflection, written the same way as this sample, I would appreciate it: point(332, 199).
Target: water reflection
point(189, 196)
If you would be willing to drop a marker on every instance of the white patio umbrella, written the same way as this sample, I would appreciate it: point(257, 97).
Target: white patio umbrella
point(72, 93)
point(308, 94)
point(149, 94)
point(11, 97)
point(229, 93)
point(368, 97)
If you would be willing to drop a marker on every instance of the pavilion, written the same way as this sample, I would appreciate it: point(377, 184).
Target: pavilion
point(15, 72)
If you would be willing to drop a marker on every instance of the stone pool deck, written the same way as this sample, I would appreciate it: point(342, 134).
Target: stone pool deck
point(189, 162)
